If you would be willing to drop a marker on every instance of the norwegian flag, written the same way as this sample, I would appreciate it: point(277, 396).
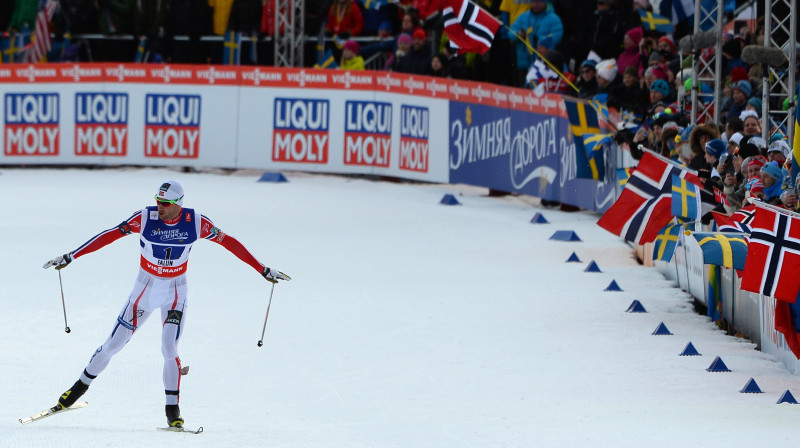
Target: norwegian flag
point(726, 223)
point(470, 28)
point(773, 255)
point(721, 198)
point(41, 35)
point(645, 205)
point(745, 214)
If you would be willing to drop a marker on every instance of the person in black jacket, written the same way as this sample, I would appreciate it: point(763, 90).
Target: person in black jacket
point(629, 95)
point(607, 30)
point(418, 58)
point(587, 79)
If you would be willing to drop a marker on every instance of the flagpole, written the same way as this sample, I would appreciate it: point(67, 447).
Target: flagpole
point(762, 204)
point(530, 47)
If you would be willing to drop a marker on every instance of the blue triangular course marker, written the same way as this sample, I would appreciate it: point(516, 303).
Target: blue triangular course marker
point(538, 218)
point(718, 366)
point(593, 267)
point(751, 388)
point(272, 177)
point(661, 330)
point(636, 307)
point(565, 235)
point(690, 350)
point(573, 258)
point(613, 286)
point(787, 397)
point(449, 199)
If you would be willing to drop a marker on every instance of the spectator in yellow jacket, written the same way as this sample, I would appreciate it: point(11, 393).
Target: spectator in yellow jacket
point(350, 57)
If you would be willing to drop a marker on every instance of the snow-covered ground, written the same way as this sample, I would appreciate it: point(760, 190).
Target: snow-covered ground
point(407, 324)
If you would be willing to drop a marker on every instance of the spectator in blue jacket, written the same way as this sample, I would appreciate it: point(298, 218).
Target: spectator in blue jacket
point(541, 27)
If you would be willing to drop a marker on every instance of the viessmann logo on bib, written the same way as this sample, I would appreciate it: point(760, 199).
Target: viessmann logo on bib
point(172, 126)
point(31, 124)
point(101, 124)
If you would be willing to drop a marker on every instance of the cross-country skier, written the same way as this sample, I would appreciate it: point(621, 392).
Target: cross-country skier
point(166, 234)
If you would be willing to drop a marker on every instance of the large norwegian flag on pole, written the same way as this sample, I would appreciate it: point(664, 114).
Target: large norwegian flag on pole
point(645, 205)
point(470, 28)
point(773, 255)
point(41, 35)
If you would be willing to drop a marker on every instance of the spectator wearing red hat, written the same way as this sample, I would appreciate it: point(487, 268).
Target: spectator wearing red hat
point(419, 56)
point(666, 45)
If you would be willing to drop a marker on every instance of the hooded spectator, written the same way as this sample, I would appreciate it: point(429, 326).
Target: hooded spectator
point(630, 51)
point(700, 136)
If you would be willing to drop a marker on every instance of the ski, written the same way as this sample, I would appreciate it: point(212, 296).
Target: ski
point(51, 411)
point(181, 429)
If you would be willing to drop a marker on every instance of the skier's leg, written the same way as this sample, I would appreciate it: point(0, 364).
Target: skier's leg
point(173, 317)
point(131, 317)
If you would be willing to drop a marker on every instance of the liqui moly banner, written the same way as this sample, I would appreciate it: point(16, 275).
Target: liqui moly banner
point(367, 122)
point(301, 130)
point(172, 126)
point(101, 124)
point(32, 125)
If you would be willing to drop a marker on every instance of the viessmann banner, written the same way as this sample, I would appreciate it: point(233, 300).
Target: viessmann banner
point(411, 127)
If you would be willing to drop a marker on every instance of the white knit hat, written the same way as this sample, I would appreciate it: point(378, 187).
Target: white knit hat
point(171, 190)
point(607, 69)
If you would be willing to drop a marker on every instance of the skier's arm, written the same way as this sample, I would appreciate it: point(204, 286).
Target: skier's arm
point(102, 239)
point(212, 233)
point(106, 237)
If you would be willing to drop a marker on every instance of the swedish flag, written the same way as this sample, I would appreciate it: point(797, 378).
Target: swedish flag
point(666, 241)
point(593, 144)
point(655, 22)
point(374, 4)
point(232, 49)
point(722, 249)
point(623, 174)
point(584, 122)
point(141, 48)
point(685, 199)
point(14, 45)
point(327, 60)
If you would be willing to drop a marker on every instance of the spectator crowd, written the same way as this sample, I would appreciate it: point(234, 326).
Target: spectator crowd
point(595, 49)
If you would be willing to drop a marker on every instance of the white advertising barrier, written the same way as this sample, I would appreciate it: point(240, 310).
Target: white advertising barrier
point(772, 341)
point(229, 117)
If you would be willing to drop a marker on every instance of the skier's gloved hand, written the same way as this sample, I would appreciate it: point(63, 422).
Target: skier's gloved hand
point(273, 275)
point(59, 262)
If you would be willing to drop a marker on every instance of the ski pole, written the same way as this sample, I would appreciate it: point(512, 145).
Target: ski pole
point(261, 341)
point(63, 303)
